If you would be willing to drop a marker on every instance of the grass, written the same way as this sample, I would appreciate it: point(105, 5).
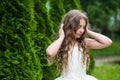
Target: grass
point(107, 72)
point(114, 49)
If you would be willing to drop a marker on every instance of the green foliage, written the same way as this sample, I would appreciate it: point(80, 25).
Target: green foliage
point(56, 12)
point(18, 59)
point(93, 11)
point(44, 25)
point(100, 11)
point(43, 36)
point(69, 5)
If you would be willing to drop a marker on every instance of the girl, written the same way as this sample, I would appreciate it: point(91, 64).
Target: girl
point(72, 48)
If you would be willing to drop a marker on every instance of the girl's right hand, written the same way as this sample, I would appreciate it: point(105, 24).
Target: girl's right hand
point(61, 31)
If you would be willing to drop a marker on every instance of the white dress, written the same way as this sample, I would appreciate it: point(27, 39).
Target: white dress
point(76, 68)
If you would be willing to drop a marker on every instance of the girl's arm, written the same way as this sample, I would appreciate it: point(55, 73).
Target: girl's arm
point(97, 41)
point(54, 47)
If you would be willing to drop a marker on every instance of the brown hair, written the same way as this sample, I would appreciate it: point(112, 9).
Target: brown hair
point(71, 22)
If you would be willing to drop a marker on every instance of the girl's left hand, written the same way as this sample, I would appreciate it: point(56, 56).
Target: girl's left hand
point(61, 31)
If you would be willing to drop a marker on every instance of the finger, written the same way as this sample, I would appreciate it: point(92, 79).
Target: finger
point(62, 26)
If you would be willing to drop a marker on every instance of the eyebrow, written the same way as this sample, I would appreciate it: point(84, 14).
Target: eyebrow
point(83, 26)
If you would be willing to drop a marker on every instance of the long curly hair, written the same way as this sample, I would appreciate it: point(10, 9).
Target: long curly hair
point(71, 23)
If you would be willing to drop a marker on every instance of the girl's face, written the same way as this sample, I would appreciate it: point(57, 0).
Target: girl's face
point(81, 28)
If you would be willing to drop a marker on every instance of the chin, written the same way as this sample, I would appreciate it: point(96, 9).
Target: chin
point(78, 36)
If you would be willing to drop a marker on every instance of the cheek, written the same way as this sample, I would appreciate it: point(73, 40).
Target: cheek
point(77, 31)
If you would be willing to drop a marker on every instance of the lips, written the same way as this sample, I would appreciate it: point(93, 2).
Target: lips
point(80, 34)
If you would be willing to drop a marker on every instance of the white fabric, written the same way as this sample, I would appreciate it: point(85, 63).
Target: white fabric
point(76, 68)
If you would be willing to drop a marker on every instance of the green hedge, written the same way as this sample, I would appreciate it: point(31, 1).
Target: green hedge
point(18, 59)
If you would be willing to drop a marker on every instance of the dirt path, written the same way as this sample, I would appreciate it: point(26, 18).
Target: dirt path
point(100, 60)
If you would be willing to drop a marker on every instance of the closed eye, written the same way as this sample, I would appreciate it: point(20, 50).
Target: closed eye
point(79, 26)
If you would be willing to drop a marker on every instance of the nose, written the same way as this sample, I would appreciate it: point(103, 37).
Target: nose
point(81, 30)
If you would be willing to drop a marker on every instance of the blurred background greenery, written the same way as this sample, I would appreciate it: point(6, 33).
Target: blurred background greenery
point(27, 27)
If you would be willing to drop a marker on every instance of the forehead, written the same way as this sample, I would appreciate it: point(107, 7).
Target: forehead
point(82, 22)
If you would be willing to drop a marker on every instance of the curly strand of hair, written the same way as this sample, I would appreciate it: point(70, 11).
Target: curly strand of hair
point(86, 55)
